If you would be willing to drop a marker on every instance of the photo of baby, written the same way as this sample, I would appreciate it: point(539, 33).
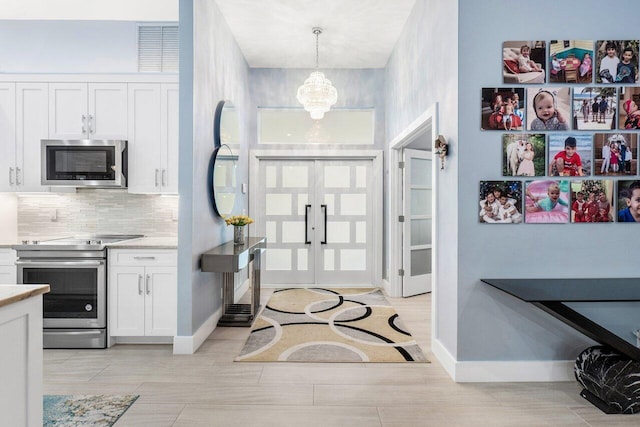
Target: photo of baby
point(592, 201)
point(523, 154)
point(594, 108)
point(570, 154)
point(617, 61)
point(500, 202)
point(629, 113)
point(628, 201)
point(615, 154)
point(547, 202)
point(523, 62)
point(502, 109)
point(571, 61)
point(548, 108)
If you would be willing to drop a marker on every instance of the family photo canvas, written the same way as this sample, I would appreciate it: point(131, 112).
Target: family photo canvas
point(523, 62)
point(547, 202)
point(617, 61)
point(594, 108)
point(592, 201)
point(629, 112)
point(571, 61)
point(548, 108)
point(523, 154)
point(502, 109)
point(570, 154)
point(629, 201)
point(500, 202)
point(615, 154)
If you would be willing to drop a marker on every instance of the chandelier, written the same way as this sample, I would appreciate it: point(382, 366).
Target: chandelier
point(317, 94)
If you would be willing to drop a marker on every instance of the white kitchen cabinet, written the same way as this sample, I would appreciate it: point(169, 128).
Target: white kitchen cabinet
point(88, 110)
point(23, 123)
point(143, 292)
point(153, 138)
point(7, 266)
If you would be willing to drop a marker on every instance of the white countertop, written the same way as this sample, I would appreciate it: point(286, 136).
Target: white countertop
point(146, 243)
point(14, 293)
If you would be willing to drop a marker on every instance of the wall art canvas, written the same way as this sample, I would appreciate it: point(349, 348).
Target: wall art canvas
point(571, 61)
point(628, 206)
point(615, 154)
point(617, 61)
point(592, 201)
point(628, 108)
point(548, 108)
point(523, 154)
point(500, 202)
point(523, 62)
point(594, 108)
point(570, 154)
point(502, 109)
point(547, 202)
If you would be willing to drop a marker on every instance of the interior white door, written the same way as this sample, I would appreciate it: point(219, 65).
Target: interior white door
point(316, 215)
point(418, 217)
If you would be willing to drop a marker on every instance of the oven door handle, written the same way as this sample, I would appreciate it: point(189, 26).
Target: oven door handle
point(60, 263)
point(72, 332)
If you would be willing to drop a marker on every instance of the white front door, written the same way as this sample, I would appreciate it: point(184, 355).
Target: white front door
point(417, 226)
point(317, 217)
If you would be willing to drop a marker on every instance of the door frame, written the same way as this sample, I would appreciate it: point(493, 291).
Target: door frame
point(256, 155)
point(427, 120)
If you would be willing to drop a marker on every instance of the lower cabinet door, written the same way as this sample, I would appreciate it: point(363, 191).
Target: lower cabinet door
point(127, 301)
point(161, 300)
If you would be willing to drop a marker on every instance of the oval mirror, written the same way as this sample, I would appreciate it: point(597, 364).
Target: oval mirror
point(226, 128)
point(223, 180)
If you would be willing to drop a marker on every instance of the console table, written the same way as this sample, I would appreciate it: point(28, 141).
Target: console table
point(228, 259)
point(608, 374)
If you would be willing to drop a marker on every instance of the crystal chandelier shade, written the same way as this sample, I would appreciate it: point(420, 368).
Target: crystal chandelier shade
point(317, 95)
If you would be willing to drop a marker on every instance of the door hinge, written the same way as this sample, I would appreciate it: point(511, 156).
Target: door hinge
point(401, 272)
point(401, 218)
point(401, 165)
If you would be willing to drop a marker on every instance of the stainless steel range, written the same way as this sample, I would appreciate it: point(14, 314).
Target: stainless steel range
point(75, 310)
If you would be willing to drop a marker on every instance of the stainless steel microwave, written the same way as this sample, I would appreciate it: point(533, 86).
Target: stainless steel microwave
point(84, 163)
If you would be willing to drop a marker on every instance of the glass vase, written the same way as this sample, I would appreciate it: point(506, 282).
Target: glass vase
point(238, 234)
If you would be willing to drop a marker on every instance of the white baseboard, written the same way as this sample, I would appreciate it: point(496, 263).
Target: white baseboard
point(189, 344)
point(503, 371)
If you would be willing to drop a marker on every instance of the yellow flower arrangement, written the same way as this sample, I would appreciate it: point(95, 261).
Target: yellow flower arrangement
point(238, 220)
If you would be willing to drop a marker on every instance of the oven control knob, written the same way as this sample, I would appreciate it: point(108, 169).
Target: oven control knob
point(35, 242)
point(88, 242)
point(88, 307)
point(25, 242)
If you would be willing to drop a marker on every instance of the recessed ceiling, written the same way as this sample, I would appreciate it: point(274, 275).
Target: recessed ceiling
point(277, 33)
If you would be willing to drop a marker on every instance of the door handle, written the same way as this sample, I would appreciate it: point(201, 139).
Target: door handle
point(17, 176)
point(324, 207)
point(164, 174)
point(10, 176)
point(306, 225)
point(84, 124)
point(139, 284)
point(156, 177)
point(147, 285)
point(90, 123)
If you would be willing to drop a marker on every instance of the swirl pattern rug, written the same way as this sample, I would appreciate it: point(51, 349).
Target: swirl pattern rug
point(329, 325)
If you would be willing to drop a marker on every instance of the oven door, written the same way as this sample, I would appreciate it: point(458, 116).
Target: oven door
point(77, 297)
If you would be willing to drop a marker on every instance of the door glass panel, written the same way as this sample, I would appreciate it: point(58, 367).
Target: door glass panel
point(353, 204)
point(329, 262)
point(278, 259)
point(420, 202)
point(295, 177)
point(271, 233)
point(353, 259)
point(278, 204)
point(420, 262)
point(421, 172)
point(270, 173)
point(73, 291)
point(292, 231)
point(303, 200)
point(330, 201)
point(361, 232)
point(361, 176)
point(420, 232)
point(338, 232)
point(337, 177)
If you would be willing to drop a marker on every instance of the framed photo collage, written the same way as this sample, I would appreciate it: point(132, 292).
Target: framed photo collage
point(569, 115)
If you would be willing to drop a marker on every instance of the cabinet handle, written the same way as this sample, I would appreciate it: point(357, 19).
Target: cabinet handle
point(164, 174)
point(144, 257)
point(157, 170)
point(90, 121)
point(147, 285)
point(84, 124)
point(17, 176)
point(139, 284)
point(10, 176)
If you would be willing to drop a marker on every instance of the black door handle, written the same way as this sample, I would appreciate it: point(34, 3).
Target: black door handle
point(306, 225)
point(324, 242)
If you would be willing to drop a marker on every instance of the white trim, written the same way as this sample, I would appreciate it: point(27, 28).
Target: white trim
point(189, 344)
point(502, 371)
point(92, 78)
point(326, 154)
point(386, 286)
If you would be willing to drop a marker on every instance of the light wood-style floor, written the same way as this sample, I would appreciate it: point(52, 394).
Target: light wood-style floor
point(209, 389)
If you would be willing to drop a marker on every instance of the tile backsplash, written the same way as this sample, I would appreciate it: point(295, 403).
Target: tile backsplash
point(96, 211)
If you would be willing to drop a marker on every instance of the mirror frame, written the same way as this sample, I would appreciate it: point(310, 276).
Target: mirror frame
point(210, 178)
point(217, 120)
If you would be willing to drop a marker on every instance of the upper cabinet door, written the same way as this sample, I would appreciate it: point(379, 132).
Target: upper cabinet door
point(31, 123)
point(68, 115)
point(107, 115)
point(169, 135)
point(8, 136)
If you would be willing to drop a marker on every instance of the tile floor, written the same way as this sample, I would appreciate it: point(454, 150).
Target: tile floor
point(209, 389)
